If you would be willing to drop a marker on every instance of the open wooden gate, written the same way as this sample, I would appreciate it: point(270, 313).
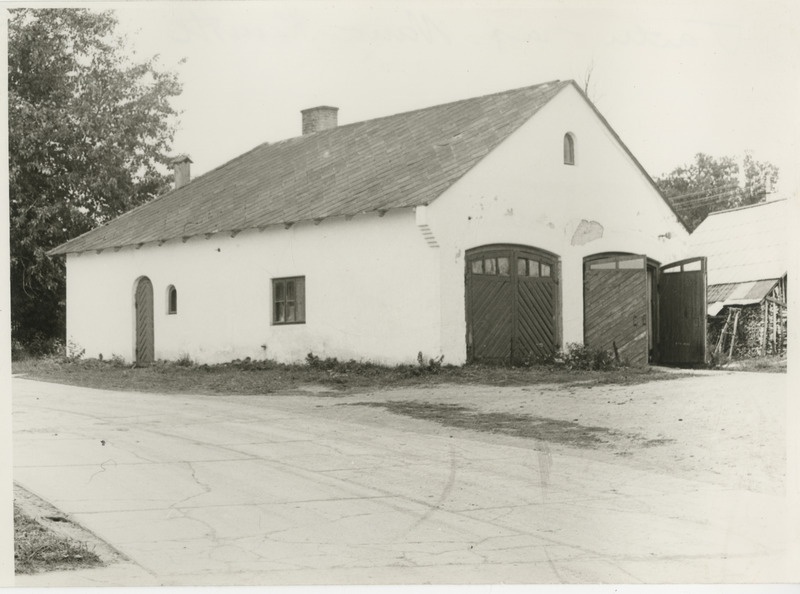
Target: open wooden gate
point(512, 303)
point(682, 312)
point(616, 306)
point(644, 313)
point(143, 306)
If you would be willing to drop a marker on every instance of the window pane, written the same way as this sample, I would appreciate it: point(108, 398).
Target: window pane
point(521, 268)
point(279, 312)
point(290, 290)
point(635, 263)
point(279, 291)
point(490, 266)
point(603, 265)
point(301, 299)
point(696, 265)
point(477, 267)
point(545, 269)
point(533, 268)
point(290, 311)
point(172, 307)
point(502, 266)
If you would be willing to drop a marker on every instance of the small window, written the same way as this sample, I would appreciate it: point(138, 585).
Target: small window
point(172, 300)
point(569, 149)
point(502, 266)
point(533, 268)
point(633, 263)
point(477, 267)
point(521, 268)
point(696, 265)
point(490, 266)
point(545, 269)
point(289, 300)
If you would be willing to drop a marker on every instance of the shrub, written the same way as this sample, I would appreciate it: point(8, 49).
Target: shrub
point(37, 347)
point(326, 364)
point(433, 365)
point(580, 356)
point(117, 361)
point(184, 361)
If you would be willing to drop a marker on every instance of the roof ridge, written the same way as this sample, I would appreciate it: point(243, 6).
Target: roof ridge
point(746, 206)
point(421, 109)
point(360, 122)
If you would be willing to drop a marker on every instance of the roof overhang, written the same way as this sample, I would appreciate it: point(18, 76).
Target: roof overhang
point(741, 294)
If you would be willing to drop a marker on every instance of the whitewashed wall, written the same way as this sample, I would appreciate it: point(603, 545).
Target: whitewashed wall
point(523, 193)
point(370, 293)
point(379, 288)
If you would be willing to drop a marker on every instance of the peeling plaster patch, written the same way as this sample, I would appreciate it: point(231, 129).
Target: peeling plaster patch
point(510, 212)
point(587, 231)
point(551, 225)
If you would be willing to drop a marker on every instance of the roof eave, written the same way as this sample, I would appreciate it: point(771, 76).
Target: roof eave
point(63, 249)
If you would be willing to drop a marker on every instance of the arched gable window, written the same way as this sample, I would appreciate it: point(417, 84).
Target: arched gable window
point(569, 149)
point(172, 300)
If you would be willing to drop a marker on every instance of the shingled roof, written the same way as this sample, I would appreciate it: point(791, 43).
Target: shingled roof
point(404, 160)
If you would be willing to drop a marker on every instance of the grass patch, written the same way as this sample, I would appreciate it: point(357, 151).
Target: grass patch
point(38, 549)
point(267, 377)
point(567, 433)
point(768, 364)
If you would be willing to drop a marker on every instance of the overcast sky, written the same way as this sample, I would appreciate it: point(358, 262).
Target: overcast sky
point(672, 78)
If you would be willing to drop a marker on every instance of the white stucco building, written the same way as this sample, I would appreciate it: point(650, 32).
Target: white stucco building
point(499, 227)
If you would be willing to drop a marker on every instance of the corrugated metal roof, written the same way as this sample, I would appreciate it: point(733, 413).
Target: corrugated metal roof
point(741, 293)
point(744, 244)
point(398, 161)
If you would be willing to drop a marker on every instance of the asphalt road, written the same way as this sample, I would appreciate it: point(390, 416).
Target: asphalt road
point(247, 490)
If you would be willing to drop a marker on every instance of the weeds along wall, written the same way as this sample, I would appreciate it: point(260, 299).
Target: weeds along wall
point(370, 286)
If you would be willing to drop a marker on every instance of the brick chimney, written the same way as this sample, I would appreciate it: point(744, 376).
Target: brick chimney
point(317, 119)
point(180, 167)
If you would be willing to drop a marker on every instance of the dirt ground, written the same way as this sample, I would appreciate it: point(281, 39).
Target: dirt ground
point(725, 428)
point(660, 482)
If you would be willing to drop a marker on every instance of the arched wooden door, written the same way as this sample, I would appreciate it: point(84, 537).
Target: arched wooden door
point(512, 303)
point(143, 305)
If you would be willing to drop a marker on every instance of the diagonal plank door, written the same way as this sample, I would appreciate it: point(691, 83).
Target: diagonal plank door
point(492, 320)
point(511, 303)
point(535, 328)
point(145, 343)
point(616, 306)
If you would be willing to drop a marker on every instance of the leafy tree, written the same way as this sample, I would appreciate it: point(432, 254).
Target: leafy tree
point(710, 184)
point(89, 134)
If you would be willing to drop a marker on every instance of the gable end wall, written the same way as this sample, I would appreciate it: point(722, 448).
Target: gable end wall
point(523, 193)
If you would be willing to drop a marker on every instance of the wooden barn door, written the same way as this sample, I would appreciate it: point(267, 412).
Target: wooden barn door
point(616, 306)
point(511, 303)
point(682, 312)
point(536, 327)
point(143, 305)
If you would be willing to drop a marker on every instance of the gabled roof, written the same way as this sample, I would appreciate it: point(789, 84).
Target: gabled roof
point(744, 244)
point(398, 161)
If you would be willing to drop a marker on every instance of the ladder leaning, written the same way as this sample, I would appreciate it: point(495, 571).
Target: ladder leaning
point(728, 329)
